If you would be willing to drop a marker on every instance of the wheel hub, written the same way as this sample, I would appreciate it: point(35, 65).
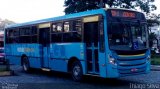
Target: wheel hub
point(76, 70)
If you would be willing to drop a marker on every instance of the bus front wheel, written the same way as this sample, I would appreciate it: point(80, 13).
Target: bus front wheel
point(77, 73)
point(25, 64)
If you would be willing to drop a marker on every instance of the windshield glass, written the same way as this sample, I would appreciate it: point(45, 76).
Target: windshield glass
point(127, 36)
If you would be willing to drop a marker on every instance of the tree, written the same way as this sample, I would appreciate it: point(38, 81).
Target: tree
point(153, 20)
point(4, 23)
point(74, 6)
point(152, 37)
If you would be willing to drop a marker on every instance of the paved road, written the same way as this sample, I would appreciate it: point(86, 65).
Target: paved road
point(47, 80)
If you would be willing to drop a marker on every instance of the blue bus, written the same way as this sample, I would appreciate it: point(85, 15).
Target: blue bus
point(108, 43)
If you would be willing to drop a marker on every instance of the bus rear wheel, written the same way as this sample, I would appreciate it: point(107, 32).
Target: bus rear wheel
point(25, 64)
point(77, 72)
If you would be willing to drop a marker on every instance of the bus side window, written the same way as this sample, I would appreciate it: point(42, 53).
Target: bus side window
point(8, 39)
point(13, 35)
point(54, 28)
point(16, 35)
point(56, 35)
point(25, 35)
point(7, 36)
point(101, 35)
point(67, 32)
point(72, 31)
point(10, 35)
point(66, 26)
point(34, 34)
point(78, 29)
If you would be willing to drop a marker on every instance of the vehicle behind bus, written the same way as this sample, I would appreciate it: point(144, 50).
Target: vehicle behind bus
point(108, 43)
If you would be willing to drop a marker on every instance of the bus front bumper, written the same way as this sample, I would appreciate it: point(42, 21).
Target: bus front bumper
point(113, 71)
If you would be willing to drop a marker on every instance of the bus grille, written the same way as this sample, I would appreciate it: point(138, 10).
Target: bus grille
point(131, 64)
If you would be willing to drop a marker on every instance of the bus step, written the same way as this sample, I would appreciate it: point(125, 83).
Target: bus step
point(46, 69)
point(96, 75)
point(93, 73)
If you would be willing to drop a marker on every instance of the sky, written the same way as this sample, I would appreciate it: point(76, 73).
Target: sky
point(28, 10)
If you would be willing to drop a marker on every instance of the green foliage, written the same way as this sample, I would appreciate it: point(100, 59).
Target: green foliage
point(153, 20)
point(3, 68)
point(152, 36)
point(74, 6)
point(155, 60)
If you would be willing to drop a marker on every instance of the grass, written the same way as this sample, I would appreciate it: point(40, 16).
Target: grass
point(155, 60)
point(3, 68)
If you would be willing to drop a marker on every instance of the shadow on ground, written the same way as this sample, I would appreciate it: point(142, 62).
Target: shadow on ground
point(89, 82)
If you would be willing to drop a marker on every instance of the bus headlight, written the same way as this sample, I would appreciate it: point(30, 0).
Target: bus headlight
point(112, 60)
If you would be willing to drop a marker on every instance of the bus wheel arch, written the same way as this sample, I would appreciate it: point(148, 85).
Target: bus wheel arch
point(75, 68)
point(25, 63)
point(23, 55)
point(70, 62)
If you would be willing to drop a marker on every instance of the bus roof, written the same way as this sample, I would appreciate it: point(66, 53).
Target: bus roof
point(75, 15)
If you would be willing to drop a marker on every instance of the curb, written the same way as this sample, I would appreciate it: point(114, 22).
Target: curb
point(155, 67)
point(6, 73)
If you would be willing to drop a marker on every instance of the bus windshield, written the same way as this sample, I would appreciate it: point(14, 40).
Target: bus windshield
point(127, 36)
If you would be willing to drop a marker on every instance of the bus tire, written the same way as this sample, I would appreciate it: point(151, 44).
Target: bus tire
point(25, 64)
point(77, 72)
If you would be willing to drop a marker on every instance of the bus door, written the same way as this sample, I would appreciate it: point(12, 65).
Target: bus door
point(44, 41)
point(91, 41)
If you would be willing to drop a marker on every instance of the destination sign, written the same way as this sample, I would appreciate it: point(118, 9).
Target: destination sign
point(125, 14)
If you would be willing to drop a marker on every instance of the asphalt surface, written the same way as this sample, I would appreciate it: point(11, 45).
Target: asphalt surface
point(54, 80)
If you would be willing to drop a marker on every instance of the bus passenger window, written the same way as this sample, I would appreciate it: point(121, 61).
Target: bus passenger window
point(25, 33)
point(8, 36)
point(54, 28)
point(34, 34)
point(34, 30)
point(13, 36)
point(77, 30)
point(59, 27)
point(66, 27)
point(72, 31)
point(67, 32)
point(56, 35)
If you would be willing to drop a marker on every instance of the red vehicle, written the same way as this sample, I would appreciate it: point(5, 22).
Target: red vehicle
point(2, 48)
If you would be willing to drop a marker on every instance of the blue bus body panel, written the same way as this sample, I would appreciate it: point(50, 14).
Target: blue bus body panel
point(103, 55)
point(67, 50)
point(15, 51)
point(71, 50)
point(58, 65)
point(35, 62)
point(45, 57)
point(62, 52)
point(32, 50)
